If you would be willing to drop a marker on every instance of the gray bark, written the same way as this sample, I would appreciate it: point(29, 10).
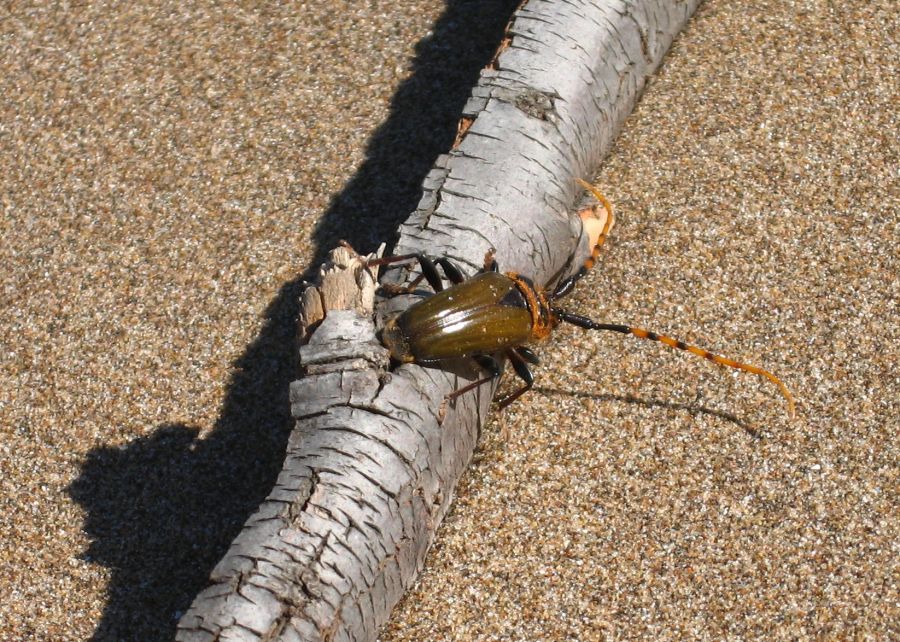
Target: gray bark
point(372, 463)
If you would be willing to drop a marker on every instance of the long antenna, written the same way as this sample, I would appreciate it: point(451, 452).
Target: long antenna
point(584, 322)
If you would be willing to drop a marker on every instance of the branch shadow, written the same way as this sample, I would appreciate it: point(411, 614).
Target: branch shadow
point(163, 509)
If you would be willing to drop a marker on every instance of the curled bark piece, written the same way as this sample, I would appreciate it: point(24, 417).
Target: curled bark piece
point(371, 465)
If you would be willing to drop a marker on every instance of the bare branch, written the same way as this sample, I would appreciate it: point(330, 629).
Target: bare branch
point(370, 468)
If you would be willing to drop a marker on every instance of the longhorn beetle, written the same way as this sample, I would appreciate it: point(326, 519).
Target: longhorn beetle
point(498, 313)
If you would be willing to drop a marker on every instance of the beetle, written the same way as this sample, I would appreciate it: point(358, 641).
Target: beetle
point(495, 313)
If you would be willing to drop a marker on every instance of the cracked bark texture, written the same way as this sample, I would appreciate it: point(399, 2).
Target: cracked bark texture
point(370, 467)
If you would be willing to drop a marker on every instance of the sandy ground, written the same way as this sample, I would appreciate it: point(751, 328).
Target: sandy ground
point(171, 172)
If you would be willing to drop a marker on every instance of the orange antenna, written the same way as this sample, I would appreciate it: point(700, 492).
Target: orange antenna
point(584, 322)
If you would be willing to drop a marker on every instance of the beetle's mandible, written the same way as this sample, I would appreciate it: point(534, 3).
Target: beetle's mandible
point(496, 313)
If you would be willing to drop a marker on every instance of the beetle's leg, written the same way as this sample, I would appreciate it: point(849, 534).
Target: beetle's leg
point(565, 286)
point(471, 386)
point(517, 359)
point(388, 260)
point(394, 288)
point(528, 354)
point(488, 363)
point(429, 271)
point(584, 322)
point(454, 275)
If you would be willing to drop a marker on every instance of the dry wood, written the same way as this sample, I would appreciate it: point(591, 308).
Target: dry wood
point(371, 465)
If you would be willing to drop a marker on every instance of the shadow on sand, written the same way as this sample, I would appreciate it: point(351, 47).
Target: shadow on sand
point(162, 510)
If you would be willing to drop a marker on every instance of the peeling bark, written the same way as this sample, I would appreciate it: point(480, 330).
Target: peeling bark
point(370, 467)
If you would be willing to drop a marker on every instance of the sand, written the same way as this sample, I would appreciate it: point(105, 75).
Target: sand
point(172, 172)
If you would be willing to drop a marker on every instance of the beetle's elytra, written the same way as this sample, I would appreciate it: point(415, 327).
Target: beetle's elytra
point(496, 313)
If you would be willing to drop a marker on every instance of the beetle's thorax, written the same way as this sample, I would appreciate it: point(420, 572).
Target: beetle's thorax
point(541, 318)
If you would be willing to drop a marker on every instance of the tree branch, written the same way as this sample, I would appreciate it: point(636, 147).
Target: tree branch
point(372, 465)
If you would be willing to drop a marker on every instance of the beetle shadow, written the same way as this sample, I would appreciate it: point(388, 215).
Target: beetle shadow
point(163, 509)
point(692, 409)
